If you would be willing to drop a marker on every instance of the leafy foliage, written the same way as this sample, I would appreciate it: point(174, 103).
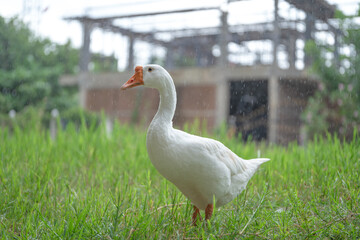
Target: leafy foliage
point(336, 105)
point(29, 71)
point(30, 68)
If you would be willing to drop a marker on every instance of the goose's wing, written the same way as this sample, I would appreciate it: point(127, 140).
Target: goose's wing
point(213, 151)
point(215, 169)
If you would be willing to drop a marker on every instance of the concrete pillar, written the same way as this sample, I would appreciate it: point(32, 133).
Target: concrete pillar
point(130, 63)
point(224, 40)
point(273, 106)
point(222, 97)
point(276, 33)
point(292, 52)
point(199, 55)
point(83, 77)
point(273, 84)
point(169, 61)
point(85, 58)
point(85, 55)
point(222, 88)
point(309, 28)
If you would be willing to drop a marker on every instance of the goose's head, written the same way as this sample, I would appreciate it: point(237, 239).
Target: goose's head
point(152, 76)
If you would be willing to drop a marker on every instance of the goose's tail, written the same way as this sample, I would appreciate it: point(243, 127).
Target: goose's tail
point(239, 181)
point(255, 163)
point(259, 161)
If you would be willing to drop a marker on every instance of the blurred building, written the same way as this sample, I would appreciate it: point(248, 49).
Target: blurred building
point(259, 93)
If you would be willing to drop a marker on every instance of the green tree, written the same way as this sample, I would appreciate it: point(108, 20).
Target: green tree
point(335, 108)
point(30, 68)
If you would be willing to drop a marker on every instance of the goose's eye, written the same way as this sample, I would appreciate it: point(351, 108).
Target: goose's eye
point(150, 69)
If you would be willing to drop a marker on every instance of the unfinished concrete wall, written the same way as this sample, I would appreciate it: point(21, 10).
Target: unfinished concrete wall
point(140, 105)
point(203, 94)
point(293, 98)
point(134, 105)
point(196, 102)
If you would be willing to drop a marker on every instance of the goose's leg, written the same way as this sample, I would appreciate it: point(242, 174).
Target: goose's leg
point(209, 211)
point(195, 214)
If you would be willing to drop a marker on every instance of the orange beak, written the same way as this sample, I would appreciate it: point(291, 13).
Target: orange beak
point(135, 80)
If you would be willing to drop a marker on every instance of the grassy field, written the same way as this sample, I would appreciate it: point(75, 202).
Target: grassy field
point(88, 185)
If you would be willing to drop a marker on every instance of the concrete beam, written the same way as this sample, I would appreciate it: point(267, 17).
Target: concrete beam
point(190, 76)
point(150, 14)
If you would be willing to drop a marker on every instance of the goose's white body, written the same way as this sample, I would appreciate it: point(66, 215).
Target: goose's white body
point(202, 168)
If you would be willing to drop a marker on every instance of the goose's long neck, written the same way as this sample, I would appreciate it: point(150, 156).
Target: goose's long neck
point(167, 104)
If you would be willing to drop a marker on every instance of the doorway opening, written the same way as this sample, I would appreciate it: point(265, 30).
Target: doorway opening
point(249, 108)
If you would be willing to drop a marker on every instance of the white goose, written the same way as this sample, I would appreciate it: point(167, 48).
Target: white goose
point(203, 169)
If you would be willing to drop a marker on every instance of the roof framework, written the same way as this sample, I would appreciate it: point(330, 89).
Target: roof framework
point(182, 42)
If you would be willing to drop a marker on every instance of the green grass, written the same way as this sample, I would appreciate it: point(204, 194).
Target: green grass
point(87, 185)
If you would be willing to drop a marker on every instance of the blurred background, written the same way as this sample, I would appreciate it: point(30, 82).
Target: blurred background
point(276, 71)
